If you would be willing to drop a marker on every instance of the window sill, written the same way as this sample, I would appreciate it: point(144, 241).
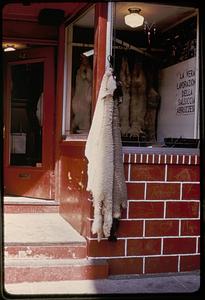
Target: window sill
point(161, 150)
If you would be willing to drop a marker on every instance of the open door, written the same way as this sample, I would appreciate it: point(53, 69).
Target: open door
point(29, 92)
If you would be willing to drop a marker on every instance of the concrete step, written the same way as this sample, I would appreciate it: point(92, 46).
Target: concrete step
point(15, 204)
point(44, 247)
point(42, 270)
point(71, 250)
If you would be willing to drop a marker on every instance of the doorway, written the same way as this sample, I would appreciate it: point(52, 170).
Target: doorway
point(29, 92)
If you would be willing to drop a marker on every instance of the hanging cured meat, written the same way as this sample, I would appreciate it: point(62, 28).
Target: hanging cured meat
point(81, 102)
point(138, 101)
point(124, 107)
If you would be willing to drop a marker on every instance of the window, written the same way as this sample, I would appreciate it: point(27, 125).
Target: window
point(78, 77)
point(157, 64)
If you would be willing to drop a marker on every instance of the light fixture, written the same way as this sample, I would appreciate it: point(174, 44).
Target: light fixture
point(134, 19)
point(9, 48)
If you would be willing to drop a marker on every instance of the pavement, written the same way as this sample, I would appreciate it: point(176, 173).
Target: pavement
point(188, 282)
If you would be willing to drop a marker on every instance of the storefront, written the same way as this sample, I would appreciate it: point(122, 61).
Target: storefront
point(45, 136)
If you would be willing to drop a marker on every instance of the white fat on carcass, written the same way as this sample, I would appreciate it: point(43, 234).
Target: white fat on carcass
point(81, 102)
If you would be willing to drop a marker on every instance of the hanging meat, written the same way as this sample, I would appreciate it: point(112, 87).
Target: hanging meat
point(124, 107)
point(81, 101)
point(153, 102)
point(138, 101)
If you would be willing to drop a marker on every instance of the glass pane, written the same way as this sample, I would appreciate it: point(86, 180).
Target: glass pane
point(78, 90)
point(26, 114)
point(156, 62)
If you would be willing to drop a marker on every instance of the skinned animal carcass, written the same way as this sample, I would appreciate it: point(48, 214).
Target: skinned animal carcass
point(153, 101)
point(138, 101)
point(81, 101)
point(124, 107)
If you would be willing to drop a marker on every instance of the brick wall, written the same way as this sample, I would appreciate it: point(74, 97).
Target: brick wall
point(160, 229)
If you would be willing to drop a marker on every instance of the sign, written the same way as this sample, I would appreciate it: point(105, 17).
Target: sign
point(185, 88)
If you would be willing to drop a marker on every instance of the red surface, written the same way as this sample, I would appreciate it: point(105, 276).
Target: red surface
point(135, 191)
point(191, 191)
point(182, 210)
point(25, 208)
point(190, 227)
point(106, 248)
point(161, 228)
point(72, 187)
point(144, 246)
point(125, 266)
point(53, 251)
point(161, 264)
point(99, 48)
point(147, 172)
point(55, 273)
point(163, 191)
point(183, 173)
point(179, 245)
point(146, 209)
point(20, 11)
point(130, 228)
point(189, 263)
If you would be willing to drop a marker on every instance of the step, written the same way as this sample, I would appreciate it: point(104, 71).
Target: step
point(40, 270)
point(38, 229)
point(41, 235)
point(45, 251)
point(15, 204)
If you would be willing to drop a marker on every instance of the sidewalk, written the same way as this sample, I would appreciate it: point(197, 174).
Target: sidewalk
point(188, 282)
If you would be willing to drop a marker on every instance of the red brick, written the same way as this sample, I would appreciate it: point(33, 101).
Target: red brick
point(198, 250)
point(190, 227)
point(161, 228)
point(180, 161)
point(132, 158)
point(147, 172)
point(162, 264)
point(190, 191)
point(135, 191)
point(156, 158)
point(124, 213)
point(146, 209)
point(174, 159)
point(182, 209)
point(179, 245)
point(183, 173)
point(189, 263)
point(144, 247)
point(106, 248)
point(126, 157)
point(125, 266)
point(163, 191)
point(126, 171)
point(130, 228)
point(138, 156)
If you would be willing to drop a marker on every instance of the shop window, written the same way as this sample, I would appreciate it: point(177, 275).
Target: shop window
point(157, 64)
point(78, 77)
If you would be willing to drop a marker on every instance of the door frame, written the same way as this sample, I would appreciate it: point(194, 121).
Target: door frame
point(40, 179)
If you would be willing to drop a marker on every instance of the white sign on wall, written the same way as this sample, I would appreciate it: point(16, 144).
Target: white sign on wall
point(177, 110)
point(185, 89)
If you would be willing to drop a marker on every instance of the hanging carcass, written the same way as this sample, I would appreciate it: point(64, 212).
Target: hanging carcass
point(153, 102)
point(81, 101)
point(138, 101)
point(124, 107)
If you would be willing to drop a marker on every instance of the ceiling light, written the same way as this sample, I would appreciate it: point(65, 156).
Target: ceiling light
point(89, 52)
point(134, 19)
point(9, 48)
